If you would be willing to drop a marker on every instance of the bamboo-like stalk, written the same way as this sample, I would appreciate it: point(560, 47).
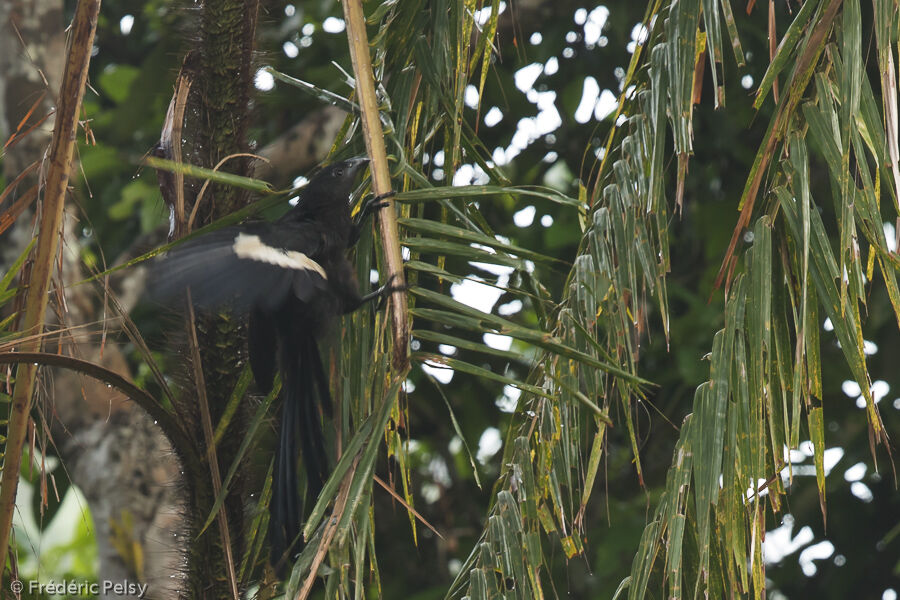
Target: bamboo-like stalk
point(62, 149)
point(381, 177)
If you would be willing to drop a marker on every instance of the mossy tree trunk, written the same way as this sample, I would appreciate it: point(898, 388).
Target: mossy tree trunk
point(216, 125)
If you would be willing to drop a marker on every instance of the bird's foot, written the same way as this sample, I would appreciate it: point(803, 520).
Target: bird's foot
point(375, 203)
point(384, 292)
point(369, 206)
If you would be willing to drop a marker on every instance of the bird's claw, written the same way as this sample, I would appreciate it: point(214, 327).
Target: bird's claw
point(384, 196)
point(376, 203)
point(384, 292)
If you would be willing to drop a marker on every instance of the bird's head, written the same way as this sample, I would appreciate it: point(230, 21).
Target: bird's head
point(338, 179)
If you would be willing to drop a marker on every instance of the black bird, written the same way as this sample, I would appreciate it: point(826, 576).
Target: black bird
point(293, 278)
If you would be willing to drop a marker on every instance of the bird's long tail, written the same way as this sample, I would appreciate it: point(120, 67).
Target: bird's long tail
point(305, 390)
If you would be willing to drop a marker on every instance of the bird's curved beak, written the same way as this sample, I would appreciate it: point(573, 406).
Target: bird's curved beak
point(356, 165)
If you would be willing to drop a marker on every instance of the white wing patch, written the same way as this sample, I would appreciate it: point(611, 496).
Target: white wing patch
point(251, 247)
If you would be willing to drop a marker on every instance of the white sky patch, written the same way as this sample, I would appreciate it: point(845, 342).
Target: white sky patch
point(828, 325)
point(796, 456)
point(471, 96)
point(454, 565)
point(440, 373)
point(524, 217)
point(493, 116)
point(409, 387)
point(308, 29)
point(289, 10)
point(819, 551)
point(548, 118)
point(475, 294)
point(500, 342)
point(880, 389)
point(455, 445)
point(480, 177)
point(550, 157)
point(126, 23)
point(526, 76)
point(447, 349)
point(489, 444)
point(530, 129)
point(589, 95)
point(499, 156)
point(806, 447)
point(890, 234)
point(759, 488)
point(508, 402)
point(593, 26)
point(856, 472)
point(747, 82)
point(832, 457)
point(431, 493)
point(373, 276)
point(501, 271)
point(333, 25)
point(439, 158)
point(536, 38)
point(581, 16)
point(512, 391)
point(510, 308)
point(264, 81)
point(463, 175)
point(779, 542)
point(290, 49)
point(639, 33)
point(483, 16)
point(551, 66)
point(851, 388)
point(546, 221)
point(870, 348)
point(862, 491)
point(439, 471)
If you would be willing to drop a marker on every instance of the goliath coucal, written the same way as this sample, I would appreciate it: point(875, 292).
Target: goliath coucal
point(293, 278)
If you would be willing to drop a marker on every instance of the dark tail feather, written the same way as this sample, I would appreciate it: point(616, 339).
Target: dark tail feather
point(315, 460)
point(300, 419)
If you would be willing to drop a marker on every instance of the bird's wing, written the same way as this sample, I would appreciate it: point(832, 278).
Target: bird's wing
point(254, 265)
